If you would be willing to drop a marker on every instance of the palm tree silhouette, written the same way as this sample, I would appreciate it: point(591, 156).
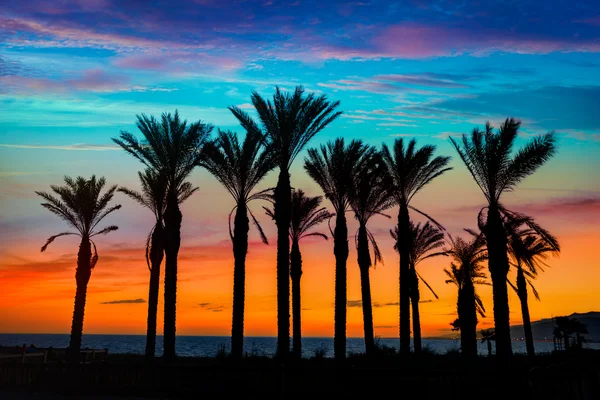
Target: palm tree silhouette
point(239, 168)
point(82, 205)
point(465, 272)
point(371, 196)
point(423, 241)
point(333, 168)
point(153, 197)
point(288, 124)
point(173, 147)
point(488, 158)
point(529, 251)
point(411, 169)
point(489, 336)
point(306, 214)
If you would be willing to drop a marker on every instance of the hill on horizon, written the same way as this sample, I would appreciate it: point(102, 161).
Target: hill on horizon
point(543, 328)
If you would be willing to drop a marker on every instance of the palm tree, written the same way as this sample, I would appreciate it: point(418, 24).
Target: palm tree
point(153, 197)
point(488, 158)
point(173, 147)
point(239, 168)
point(489, 336)
point(288, 124)
point(466, 272)
point(306, 214)
point(423, 241)
point(411, 169)
point(371, 196)
point(333, 168)
point(529, 252)
point(81, 204)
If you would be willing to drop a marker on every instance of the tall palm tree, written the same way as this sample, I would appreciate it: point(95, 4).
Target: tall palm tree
point(488, 157)
point(82, 205)
point(153, 197)
point(173, 147)
point(423, 241)
point(371, 196)
point(288, 124)
point(239, 168)
point(306, 214)
point(411, 169)
point(528, 252)
point(333, 167)
point(466, 271)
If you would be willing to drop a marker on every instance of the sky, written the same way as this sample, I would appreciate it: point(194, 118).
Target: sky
point(74, 74)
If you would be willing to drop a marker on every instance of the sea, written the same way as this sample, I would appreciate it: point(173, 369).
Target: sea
point(208, 346)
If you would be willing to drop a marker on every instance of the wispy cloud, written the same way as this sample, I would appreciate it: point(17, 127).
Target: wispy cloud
point(212, 307)
point(133, 301)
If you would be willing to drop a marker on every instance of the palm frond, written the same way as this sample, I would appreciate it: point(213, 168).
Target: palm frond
point(260, 230)
point(52, 238)
point(105, 230)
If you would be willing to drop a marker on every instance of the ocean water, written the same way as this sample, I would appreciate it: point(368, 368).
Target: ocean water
point(264, 346)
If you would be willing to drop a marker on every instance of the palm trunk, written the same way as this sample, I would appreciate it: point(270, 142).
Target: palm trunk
point(283, 193)
point(414, 300)
point(522, 291)
point(364, 264)
point(340, 250)
point(467, 315)
point(156, 257)
point(173, 219)
point(240, 249)
point(489, 346)
point(82, 277)
point(498, 265)
point(296, 274)
point(403, 250)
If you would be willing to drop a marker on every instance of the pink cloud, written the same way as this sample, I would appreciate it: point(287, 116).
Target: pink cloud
point(423, 41)
point(97, 80)
point(69, 36)
point(179, 62)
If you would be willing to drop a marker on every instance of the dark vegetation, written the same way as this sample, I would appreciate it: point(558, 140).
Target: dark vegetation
point(566, 375)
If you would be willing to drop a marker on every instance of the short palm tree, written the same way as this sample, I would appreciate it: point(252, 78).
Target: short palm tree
point(173, 147)
point(423, 241)
point(528, 252)
point(371, 196)
point(466, 271)
point(153, 197)
point(82, 205)
point(288, 124)
point(411, 169)
point(333, 167)
point(489, 336)
point(239, 168)
point(488, 157)
point(307, 213)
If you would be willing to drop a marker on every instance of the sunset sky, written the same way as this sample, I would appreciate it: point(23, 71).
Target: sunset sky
point(73, 74)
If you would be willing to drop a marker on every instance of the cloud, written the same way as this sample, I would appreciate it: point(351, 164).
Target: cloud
point(77, 147)
point(354, 303)
point(134, 301)
point(358, 303)
point(391, 304)
point(567, 205)
point(384, 326)
point(212, 307)
point(432, 80)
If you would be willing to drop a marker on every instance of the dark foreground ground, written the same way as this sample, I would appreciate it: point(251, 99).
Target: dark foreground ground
point(556, 376)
